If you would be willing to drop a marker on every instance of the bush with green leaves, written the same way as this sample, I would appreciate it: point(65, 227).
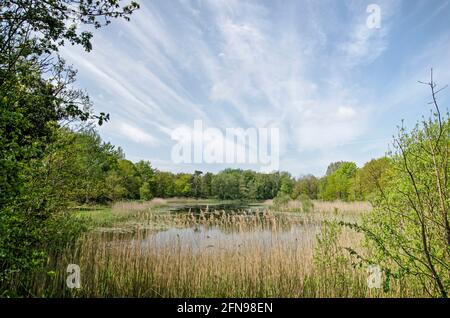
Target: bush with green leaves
point(307, 204)
point(281, 199)
point(36, 97)
point(338, 184)
point(408, 231)
point(332, 261)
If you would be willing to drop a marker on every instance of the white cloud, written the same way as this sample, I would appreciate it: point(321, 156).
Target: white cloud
point(363, 45)
point(242, 64)
point(137, 135)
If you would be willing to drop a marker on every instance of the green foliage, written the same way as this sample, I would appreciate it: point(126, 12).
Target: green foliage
point(307, 185)
point(344, 181)
point(338, 184)
point(56, 22)
point(146, 173)
point(164, 184)
point(330, 257)
point(144, 192)
point(45, 168)
point(183, 185)
point(36, 96)
point(129, 179)
point(114, 186)
point(79, 164)
point(236, 184)
point(370, 178)
point(286, 184)
point(225, 185)
point(33, 227)
point(196, 185)
point(408, 231)
point(307, 205)
point(327, 248)
point(281, 200)
point(332, 167)
point(206, 185)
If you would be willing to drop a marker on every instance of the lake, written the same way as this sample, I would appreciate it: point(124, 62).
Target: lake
point(202, 238)
point(228, 207)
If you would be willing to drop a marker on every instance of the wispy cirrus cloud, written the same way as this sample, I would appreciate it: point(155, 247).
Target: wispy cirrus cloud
point(137, 135)
point(312, 69)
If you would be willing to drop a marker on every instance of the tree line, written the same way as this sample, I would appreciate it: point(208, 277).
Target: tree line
point(88, 170)
point(44, 167)
point(37, 98)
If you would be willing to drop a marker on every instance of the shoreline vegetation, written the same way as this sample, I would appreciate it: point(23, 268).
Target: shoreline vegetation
point(136, 264)
point(120, 215)
point(299, 254)
point(67, 197)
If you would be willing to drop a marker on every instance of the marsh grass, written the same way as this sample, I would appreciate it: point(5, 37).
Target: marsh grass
point(347, 207)
point(311, 263)
point(133, 206)
point(318, 206)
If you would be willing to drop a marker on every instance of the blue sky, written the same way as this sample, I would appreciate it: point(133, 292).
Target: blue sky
point(335, 88)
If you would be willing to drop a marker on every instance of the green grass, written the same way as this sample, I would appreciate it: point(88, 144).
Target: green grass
point(99, 216)
point(106, 219)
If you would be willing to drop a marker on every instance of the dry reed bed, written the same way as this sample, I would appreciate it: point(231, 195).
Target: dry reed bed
point(342, 206)
point(145, 269)
point(114, 265)
point(133, 206)
point(323, 206)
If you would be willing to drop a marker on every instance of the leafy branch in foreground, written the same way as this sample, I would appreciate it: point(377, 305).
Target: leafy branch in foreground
point(408, 232)
point(37, 97)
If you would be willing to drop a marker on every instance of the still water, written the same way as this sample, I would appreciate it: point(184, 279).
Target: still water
point(229, 207)
point(202, 238)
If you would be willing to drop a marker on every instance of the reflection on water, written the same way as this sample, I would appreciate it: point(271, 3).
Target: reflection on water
point(203, 238)
point(226, 226)
point(231, 207)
